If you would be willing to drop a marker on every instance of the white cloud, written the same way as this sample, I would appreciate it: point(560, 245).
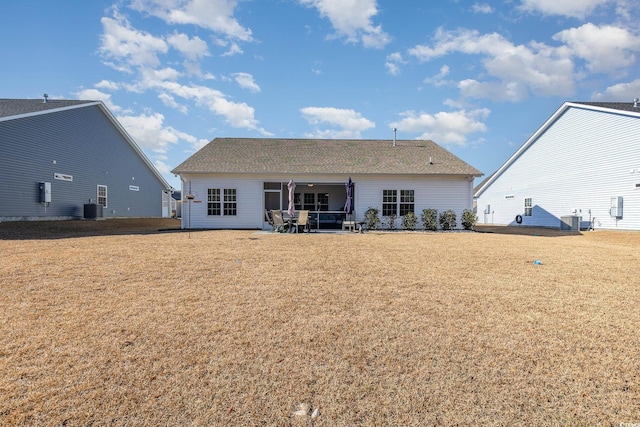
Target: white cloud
point(150, 132)
point(245, 81)
point(214, 15)
point(127, 46)
point(482, 8)
point(350, 122)
point(106, 84)
point(393, 63)
point(448, 128)
point(96, 95)
point(438, 79)
point(541, 69)
point(352, 19)
point(621, 92)
point(171, 102)
point(571, 8)
point(605, 48)
point(192, 48)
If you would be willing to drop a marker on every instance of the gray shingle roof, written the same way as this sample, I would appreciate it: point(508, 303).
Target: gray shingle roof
point(15, 107)
point(324, 156)
point(624, 106)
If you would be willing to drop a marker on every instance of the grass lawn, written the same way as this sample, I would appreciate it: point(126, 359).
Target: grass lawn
point(113, 323)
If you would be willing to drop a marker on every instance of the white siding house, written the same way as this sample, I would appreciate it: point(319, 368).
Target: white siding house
point(583, 162)
point(230, 183)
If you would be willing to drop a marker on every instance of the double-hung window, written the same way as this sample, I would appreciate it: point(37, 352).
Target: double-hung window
point(397, 202)
point(230, 202)
point(528, 207)
point(407, 202)
point(213, 201)
point(389, 202)
point(102, 195)
point(222, 202)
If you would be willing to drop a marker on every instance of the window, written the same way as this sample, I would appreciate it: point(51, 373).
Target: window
point(323, 201)
point(407, 202)
point(392, 205)
point(528, 207)
point(309, 202)
point(213, 201)
point(217, 206)
point(230, 202)
point(102, 195)
point(389, 202)
point(297, 202)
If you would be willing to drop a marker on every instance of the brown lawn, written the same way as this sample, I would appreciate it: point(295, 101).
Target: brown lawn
point(114, 323)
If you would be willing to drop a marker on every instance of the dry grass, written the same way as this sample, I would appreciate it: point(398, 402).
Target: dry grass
point(238, 328)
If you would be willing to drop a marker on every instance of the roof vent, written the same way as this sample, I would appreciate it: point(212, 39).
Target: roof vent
point(46, 98)
point(635, 102)
point(394, 136)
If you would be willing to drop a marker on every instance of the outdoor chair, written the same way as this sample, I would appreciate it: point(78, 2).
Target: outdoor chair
point(278, 222)
point(303, 221)
point(269, 219)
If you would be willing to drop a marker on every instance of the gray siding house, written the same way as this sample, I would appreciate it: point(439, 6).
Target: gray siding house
point(581, 168)
point(230, 182)
point(56, 156)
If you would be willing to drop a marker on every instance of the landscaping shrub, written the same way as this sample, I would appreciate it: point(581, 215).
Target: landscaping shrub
point(429, 219)
point(448, 220)
point(409, 221)
point(391, 222)
point(371, 218)
point(469, 219)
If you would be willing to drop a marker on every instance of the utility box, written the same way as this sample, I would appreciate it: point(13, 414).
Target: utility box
point(570, 222)
point(616, 207)
point(45, 192)
point(92, 211)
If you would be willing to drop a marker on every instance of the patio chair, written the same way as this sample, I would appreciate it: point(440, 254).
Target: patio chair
point(303, 221)
point(278, 222)
point(269, 219)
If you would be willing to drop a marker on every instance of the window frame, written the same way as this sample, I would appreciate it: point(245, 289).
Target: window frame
point(398, 202)
point(214, 202)
point(230, 202)
point(100, 197)
point(528, 206)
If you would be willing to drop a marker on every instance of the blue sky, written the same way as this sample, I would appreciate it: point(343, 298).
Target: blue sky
point(477, 78)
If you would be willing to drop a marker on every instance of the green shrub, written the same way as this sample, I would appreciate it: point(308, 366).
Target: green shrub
point(469, 219)
point(409, 221)
point(371, 218)
point(391, 222)
point(448, 220)
point(429, 219)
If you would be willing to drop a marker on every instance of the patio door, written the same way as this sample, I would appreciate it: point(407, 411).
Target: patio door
point(272, 199)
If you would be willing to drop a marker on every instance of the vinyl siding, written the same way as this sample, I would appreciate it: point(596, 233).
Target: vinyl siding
point(84, 144)
point(440, 193)
point(582, 160)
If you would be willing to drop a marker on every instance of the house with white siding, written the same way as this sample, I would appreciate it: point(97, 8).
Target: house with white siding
point(581, 168)
point(230, 182)
point(71, 159)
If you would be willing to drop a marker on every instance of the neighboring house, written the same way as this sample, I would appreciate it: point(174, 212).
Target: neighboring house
point(582, 166)
point(230, 182)
point(56, 156)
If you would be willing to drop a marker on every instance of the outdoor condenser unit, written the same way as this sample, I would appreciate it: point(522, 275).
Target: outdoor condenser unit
point(616, 207)
point(45, 192)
